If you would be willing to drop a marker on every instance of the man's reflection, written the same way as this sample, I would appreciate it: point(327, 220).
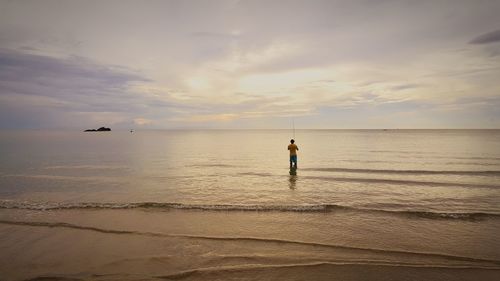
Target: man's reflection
point(292, 181)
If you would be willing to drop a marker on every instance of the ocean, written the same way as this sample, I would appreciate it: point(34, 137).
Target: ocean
point(224, 205)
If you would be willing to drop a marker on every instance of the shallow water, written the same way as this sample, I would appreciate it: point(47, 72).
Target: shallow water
point(408, 198)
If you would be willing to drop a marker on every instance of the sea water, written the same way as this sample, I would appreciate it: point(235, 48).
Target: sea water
point(400, 202)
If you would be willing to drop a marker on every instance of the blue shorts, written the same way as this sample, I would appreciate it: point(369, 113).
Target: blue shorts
point(293, 158)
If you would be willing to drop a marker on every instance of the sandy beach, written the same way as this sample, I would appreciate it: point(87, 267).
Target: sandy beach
point(200, 245)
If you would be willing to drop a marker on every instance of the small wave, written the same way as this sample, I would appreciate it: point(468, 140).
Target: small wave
point(256, 174)
point(53, 278)
point(473, 158)
point(86, 167)
point(203, 272)
point(214, 165)
point(468, 163)
point(61, 178)
point(6, 204)
point(401, 182)
point(422, 154)
point(407, 172)
point(309, 208)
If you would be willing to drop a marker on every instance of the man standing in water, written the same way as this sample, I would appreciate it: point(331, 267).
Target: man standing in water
point(293, 153)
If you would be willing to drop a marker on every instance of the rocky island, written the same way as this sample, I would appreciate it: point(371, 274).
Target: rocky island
point(102, 129)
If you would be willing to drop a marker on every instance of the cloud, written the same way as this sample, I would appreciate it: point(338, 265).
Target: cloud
point(77, 90)
point(25, 73)
point(404, 87)
point(490, 37)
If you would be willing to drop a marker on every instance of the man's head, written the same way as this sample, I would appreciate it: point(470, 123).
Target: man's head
point(292, 141)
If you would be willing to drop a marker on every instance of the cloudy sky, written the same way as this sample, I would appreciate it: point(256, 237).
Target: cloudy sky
point(250, 64)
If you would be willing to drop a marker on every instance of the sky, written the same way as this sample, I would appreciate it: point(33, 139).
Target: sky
point(228, 64)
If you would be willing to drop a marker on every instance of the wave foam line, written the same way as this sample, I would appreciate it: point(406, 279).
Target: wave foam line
point(255, 267)
point(252, 239)
point(260, 259)
point(313, 208)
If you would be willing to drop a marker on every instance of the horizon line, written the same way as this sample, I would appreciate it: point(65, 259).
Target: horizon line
point(239, 129)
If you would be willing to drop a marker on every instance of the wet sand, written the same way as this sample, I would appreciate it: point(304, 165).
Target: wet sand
point(221, 245)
